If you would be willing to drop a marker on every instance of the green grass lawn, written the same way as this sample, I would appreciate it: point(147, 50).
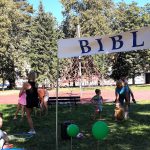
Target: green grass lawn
point(133, 134)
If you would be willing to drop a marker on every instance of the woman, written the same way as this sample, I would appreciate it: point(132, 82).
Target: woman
point(122, 96)
point(31, 100)
point(121, 93)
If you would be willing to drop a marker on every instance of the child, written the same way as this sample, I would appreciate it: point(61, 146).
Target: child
point(46, 96)
point(97, 100)
point(41, 93)
point(3, 136)
point(119, 112)
point(22, 100)
point(43, 96)
point(130, 95)
point(122, 96)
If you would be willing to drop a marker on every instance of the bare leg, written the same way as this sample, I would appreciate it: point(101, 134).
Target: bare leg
point(94, 115)
point(18, 108)
point(100, 115)
point(126, 114)
point(23, 111)
point(29, 119)
point(46, 107)
point(42, 105)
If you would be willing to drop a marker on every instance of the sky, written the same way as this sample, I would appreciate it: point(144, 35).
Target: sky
point(55, 7)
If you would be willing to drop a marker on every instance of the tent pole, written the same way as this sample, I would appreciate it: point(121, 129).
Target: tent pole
point(57, 104)
point(80, 73)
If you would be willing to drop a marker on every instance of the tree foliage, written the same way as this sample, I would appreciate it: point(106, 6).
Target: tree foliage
point(94, 17)
point(131, 17)
point(43, 48)
point(13, 39)
point(121, 67)
point(30, 41)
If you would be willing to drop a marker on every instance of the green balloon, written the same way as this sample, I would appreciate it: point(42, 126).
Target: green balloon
point(100, 130)
point(72, 130)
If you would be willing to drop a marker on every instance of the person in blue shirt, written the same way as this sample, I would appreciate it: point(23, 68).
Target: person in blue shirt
point(122, 96)
point(131, 95)
point(121, 92)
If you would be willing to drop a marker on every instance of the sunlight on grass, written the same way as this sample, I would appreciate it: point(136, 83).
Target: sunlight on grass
point(140, 129)
point(143, 113)
point(133, 134)
point(9, 92)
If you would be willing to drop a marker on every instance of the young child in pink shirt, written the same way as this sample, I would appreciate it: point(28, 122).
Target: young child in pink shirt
point(22, 100)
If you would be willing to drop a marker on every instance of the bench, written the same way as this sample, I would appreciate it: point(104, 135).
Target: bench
point(64, 100)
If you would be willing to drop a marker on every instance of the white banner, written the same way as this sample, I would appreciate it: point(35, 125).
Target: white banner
point(127, 41)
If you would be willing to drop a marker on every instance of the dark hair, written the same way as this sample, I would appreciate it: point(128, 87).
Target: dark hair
point(31, 76)
point(97, 91)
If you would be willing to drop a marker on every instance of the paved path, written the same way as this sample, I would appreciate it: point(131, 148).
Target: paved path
point(86, 96)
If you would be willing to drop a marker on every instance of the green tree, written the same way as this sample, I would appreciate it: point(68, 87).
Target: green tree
point(15, 25)
point(94, 18)
point(132, 17)
point(121, 67)
point(101, 63)
point(5, 24)
point(43, 49)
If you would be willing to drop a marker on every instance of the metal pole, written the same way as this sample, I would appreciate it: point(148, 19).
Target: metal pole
point(57, 104)
point(71, 143)
point(80, 73)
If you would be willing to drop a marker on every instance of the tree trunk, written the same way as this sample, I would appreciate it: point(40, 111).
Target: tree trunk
point(133, 80)
point(11, 83)
point(69, 83)
point(12, 75)
point(3, 84)
point(98, 82)
point(2, 69)
point(74, 83)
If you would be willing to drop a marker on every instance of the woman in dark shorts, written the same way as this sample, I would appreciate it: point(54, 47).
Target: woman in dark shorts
point(31, 100)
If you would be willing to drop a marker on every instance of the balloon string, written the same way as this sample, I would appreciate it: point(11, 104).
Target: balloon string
point(71, 143)
point(97, 145)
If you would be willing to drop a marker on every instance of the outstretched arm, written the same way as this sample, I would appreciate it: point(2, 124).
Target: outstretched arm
point(132, 95)
point(1, 120)
point(116, 96)
point(21, 91)
point(92, 100)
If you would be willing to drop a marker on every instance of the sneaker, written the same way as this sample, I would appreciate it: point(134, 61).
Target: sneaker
point(32, 132)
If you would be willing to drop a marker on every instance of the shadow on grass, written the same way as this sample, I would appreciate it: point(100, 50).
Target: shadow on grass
point(133, 134)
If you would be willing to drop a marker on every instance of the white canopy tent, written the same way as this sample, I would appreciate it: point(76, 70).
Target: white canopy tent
point(75, 47)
